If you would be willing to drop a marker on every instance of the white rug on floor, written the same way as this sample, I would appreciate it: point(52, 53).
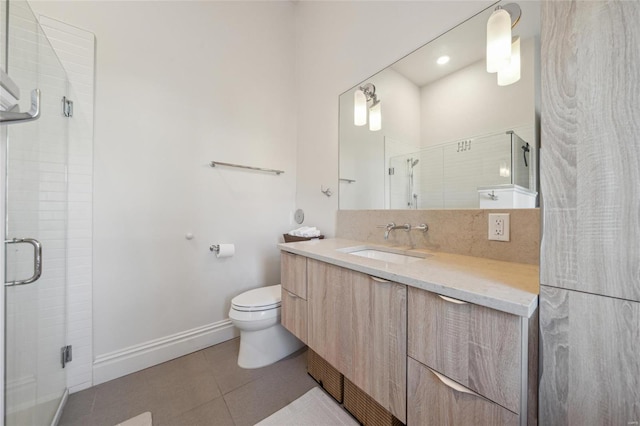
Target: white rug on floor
point(143, 419)
point(314, 408)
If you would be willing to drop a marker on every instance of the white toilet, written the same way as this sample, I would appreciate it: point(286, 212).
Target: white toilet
point(263, 340)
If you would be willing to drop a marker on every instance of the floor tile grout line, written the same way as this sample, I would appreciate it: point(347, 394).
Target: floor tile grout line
point(195, 363)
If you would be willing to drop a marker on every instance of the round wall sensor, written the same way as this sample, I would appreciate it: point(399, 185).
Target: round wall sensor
point(299, 216)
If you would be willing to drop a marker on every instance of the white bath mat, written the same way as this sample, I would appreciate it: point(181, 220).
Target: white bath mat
point(314, 408)
point(143, 419)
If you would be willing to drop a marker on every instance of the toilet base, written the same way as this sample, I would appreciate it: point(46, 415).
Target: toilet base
point(264, 347)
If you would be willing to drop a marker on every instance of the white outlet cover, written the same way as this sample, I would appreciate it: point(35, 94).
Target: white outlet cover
point(499, 227)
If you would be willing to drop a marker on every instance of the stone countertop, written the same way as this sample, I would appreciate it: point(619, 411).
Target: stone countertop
point(504, 286)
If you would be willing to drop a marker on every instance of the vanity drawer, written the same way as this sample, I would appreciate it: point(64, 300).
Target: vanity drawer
point(437, 400)
point(293, 273)
point(294, 315)
point(476, 346)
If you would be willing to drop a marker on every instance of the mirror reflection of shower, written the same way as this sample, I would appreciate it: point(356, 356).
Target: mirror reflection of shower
point(412, 201)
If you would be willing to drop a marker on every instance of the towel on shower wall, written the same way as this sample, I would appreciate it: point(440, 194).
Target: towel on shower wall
point(305, 231)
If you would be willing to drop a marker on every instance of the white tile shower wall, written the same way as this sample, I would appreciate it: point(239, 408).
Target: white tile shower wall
point(76, 50)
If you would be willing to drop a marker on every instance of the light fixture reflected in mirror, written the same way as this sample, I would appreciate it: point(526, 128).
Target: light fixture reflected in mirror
point(359, 108)
point(361, 97)
point(443, 60)
point(503, 51)
point(498, 40)
point(375, 116)
point(504, 169)
point(511, 74)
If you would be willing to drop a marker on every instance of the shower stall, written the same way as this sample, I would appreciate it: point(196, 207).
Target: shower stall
point(465, 173)
point(35, 188)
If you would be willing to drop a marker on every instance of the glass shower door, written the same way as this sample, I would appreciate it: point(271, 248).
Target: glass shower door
point(36, 208)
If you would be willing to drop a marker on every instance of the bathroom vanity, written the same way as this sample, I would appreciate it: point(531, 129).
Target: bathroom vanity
point(435, 338)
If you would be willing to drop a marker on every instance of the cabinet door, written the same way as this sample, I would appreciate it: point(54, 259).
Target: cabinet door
point(294, 315)
point(590, 363)
point(476, 346)
point(590, 172)
point(379, 346)
point(294, 273)
point(330, 332)
point(437, 400)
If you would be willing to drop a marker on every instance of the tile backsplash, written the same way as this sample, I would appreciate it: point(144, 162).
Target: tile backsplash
point(452, 231)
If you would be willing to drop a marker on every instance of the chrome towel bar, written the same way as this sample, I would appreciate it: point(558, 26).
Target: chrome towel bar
point(219, 163)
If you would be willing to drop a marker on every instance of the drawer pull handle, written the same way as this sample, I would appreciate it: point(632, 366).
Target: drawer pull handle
point(380, 280)
point(452, 300)
point(453, 385)
point(291, 294)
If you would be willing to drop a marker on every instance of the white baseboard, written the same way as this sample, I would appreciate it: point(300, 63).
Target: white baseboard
point(135, 358)
point(63, 402)
point(80, 387)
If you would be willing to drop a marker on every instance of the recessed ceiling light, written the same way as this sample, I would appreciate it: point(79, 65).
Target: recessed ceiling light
point(443, 60)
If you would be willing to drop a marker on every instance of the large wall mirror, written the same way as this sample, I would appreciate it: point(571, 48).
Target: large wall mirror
point(448, 136)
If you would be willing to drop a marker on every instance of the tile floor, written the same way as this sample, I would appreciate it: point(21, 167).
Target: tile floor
point(204, 388)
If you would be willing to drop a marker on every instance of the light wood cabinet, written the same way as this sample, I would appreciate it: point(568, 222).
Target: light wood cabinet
point(476, 346)
point(329, 306)
point(358, 324)
point(590, 376)
point(294, 273)
point(489, 354)
point(379, 344)
point(294, 314)
point(437, 400)
point(370, 329)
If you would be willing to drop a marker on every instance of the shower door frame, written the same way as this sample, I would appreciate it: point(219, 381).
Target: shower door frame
point(37, 406)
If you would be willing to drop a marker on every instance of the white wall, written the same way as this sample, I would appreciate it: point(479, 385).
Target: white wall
point(179, 84)
point(362, 153)
point(339, 44)
point(469, 102)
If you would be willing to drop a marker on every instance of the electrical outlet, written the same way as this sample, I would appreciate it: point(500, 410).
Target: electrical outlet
point(499, 226)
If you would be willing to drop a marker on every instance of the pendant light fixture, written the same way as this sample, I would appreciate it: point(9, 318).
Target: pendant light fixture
point(375, 116)
point(511, 74)
point(501, 46)
point(359, 108)
point(498, 40)
point(361, 97)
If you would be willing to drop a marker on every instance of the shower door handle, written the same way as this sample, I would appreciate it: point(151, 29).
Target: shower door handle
point(7, 117)
point(37, 260)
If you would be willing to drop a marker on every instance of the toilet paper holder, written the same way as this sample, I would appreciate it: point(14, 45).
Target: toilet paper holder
point(216, 248)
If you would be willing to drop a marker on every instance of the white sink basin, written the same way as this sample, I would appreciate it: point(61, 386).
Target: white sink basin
point(385, 256)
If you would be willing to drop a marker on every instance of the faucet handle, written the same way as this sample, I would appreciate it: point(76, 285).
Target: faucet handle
point(422, 227)
point(388, 225)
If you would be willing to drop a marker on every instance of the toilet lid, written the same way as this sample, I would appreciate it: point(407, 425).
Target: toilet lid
point(259, 299)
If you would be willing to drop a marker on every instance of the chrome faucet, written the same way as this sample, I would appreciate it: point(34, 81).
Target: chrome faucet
point(391, 226)
point(422, 227)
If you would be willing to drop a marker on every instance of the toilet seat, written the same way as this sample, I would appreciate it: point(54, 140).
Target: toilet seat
point(259, 299)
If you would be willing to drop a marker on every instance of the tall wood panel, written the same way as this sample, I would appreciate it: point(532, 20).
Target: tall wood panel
point(590, 156)
point(590, 176)
point(590, 350)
